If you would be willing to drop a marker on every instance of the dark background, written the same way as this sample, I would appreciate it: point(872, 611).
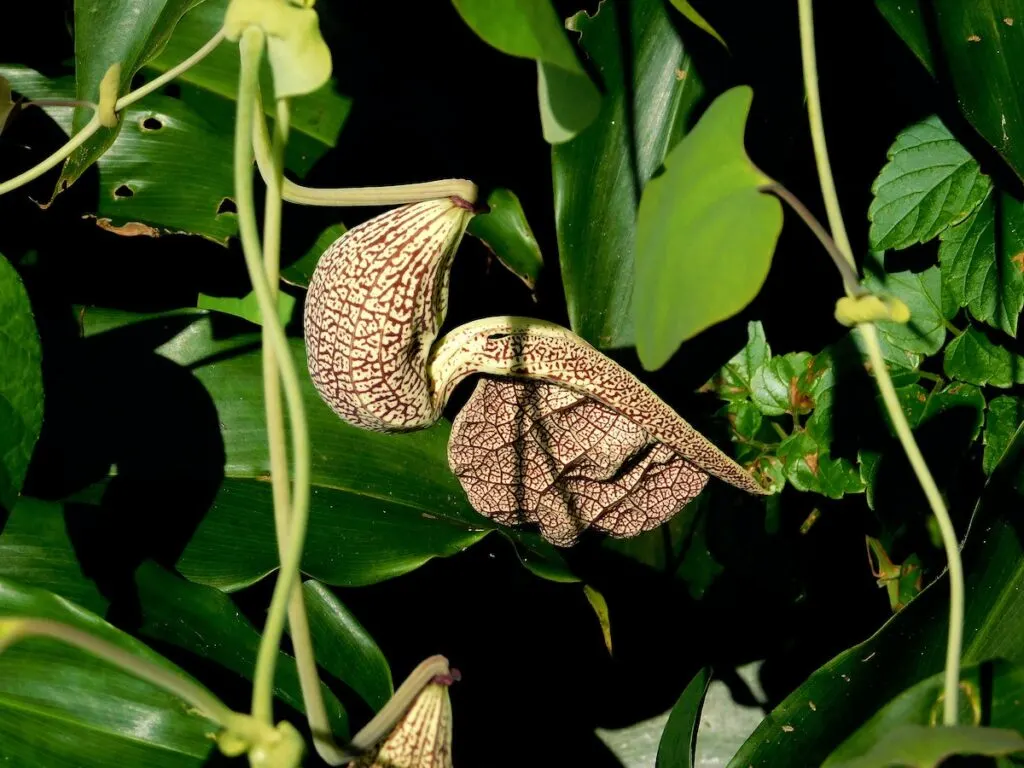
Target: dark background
point(430, 101)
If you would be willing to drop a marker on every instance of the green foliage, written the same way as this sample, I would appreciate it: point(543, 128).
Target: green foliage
point(975, 48)
point(211, 85)
point(973, 357)
point(930, 183)
point(531, 29)
point(21, 384)
point(695, 264)
point(108, 33)
point(507, 234)
point(679, 738)
point(981, 262)
point(599, 175)
point(61, 706)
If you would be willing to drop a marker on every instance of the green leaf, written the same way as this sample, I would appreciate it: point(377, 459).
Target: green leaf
point(993, 688)
point(979, 49)
point(985, 278)
point(344, 648)
point(911, 646)
point(685, 8)
point(930, 183)
point(679, 739)
point(7, 105)
point(507, 234)
point(530, 29)
point(21, 384)
point(734, 380)
point(600, 607)
point(973, 357)
point(705, 233)
point(169, 171)
point(922, 746)
point(774, 385)
point(247, 307)
point(1004, 417)
point(941, 400)
point(922, 293)
point(60, 706)
point(301, 269)
point(211, 86)
point(109, 32)
point(37, 550)
point(599, 175)
point(810, 467)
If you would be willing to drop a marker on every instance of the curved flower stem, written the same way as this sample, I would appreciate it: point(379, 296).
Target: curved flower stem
point(158, 82)
point(881, 371)
point(209, 706)
point(36, 171)
point(398, 194)
point(251, 48)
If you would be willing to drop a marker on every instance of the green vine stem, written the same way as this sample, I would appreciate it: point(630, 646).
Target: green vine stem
point(399, 194)
point(881, 371)
point(158, 82)
point(305, 656)
point(251, 49)
point(13, 630)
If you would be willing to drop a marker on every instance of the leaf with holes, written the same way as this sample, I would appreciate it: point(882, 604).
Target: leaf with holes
point(169, 170)
point(531, 29)
point(705, 233)
point(60, 706)
point(982, 261)
point(930, 183)
point(507, 234)
point(973, 357)
point(599, 175)
point(211, 86)
point(109, 32)
point(21, 384)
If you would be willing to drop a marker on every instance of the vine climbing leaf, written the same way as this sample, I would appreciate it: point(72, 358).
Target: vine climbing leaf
point(705, 233)
point(211, 87)
point(21, 384)
point(529, 452)
point(651, 89)
point(60, 706)
point(930, 183)
point(530, 29)
point(109, 32)
point(982, 260)
point(169, 170)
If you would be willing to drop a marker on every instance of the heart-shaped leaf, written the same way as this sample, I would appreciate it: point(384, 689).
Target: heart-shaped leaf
point(507, 234)
point(705, 233)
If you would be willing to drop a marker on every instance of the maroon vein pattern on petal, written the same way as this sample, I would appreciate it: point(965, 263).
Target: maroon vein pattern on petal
point(531, 452)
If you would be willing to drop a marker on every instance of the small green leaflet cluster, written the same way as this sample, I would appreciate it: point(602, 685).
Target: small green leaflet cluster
point(779, 410)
